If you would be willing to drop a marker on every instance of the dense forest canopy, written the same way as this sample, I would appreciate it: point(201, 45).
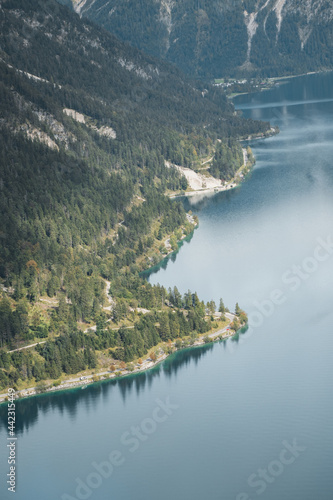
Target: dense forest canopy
point(87, 125)
point(210, 39)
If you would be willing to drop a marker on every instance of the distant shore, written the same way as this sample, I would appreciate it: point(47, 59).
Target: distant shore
point(274, 81)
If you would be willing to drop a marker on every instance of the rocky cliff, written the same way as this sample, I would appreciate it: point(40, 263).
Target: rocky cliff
point(223, 37)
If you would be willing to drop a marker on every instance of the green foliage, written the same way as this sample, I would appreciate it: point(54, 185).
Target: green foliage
point(76, 351)
point(211, 306)
point(41, 387)
point(209, 39)
point(13, 323)
point(204, 35)
point(235, 325)
point(227, 160)
point(222, 307)
point(79, 207)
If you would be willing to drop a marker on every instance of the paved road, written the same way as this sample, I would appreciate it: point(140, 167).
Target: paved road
point(231, 317)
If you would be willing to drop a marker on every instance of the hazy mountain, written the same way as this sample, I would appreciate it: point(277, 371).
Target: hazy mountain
point(221, 37)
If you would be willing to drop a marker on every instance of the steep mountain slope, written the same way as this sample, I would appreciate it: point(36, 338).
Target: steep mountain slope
point(223, 37)
point(87, 124)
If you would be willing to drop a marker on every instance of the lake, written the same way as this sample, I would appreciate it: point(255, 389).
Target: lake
point(244, 419)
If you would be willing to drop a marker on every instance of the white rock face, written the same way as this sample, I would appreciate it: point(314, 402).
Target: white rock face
point(304, 33)
point(143, 73)
point(80, 5)
point(278, 11)
point(307, 12)
point(106, 131)
point(195, 180)
point(263, 21)
point(78, 117)
point(166, 18)
point(251, 25)
point(34, 134)
point(60, 133)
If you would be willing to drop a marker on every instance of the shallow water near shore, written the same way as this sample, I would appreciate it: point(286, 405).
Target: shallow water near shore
point(206, 422)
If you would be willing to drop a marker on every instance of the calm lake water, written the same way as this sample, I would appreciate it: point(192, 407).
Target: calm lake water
point(239, 420)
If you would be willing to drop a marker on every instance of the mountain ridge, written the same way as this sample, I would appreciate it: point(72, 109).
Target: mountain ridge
point(223, 38)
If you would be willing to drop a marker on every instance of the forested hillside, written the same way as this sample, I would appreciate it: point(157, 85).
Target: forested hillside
point(218, 38)
point(86, 126)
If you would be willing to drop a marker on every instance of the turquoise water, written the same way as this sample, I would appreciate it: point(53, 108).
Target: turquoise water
point(237, 420)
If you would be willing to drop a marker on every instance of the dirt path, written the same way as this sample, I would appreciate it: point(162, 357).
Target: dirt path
point(83, 380)
point(26, 347)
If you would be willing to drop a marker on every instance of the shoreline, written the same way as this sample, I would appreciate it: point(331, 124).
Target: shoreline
point(221, 334)
point(233, 184)
point(275, 81)
point(82, 381)
point(217, 188)
point(150, 270)
point(239, 176)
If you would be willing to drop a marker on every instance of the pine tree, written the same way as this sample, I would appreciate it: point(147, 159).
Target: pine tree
point(221, 307)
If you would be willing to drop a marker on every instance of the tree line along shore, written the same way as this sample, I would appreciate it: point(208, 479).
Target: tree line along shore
point(85, 135)
point(215, 326)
